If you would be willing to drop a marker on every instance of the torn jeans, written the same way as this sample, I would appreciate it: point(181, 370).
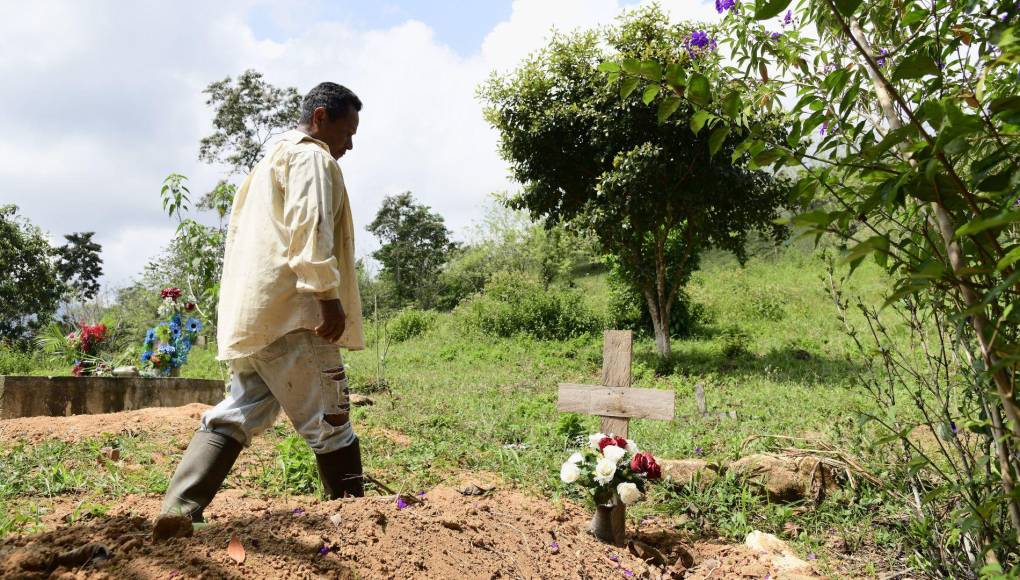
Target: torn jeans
point(301, 373)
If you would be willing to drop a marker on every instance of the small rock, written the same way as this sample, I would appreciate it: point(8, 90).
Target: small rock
point(687, 471)
point(779, 554)
point(452, 525)
point(357, 400)
point(128, 371)
point(786, 479)
point(475, 489)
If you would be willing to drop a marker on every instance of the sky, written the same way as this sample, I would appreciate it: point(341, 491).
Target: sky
point(101, 100)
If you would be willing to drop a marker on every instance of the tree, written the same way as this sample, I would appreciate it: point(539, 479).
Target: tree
point(79, 265)
point(29, 288)
point(904, 133)
point(414, 246)
point(653, 195)
point(248, 113)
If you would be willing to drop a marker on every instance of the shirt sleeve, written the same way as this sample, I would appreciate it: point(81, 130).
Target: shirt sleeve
point(308, 216)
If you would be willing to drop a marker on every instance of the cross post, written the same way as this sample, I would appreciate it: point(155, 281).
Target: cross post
point(615, 402)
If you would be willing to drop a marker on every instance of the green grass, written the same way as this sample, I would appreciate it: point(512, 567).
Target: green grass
point(470, 402)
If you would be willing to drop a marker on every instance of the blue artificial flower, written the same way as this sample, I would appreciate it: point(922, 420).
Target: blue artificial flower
point(150, 337)
point(146, 356)
point(176, 320)
point(184, 345)
point(166, 349)
point(193, 325)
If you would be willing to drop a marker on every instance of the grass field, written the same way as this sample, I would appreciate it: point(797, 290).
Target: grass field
point(771, 349)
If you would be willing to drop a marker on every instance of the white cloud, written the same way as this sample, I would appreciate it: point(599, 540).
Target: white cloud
point(102, 100)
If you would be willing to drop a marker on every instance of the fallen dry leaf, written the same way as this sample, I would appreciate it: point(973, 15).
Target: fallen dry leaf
point(235, 550)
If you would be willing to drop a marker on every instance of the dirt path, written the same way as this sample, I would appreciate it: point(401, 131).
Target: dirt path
point(445, 534)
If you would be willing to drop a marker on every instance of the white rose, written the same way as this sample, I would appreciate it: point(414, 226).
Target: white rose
point(569, 472)
point(628, 493)
point(593, 440)
point(575, 458)
point(604, 471)
point(632, 447)
point(613, 453)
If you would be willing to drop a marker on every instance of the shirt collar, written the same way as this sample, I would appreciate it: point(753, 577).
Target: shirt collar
point(297, 136)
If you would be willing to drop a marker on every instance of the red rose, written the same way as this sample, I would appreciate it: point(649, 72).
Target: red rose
point(645, 464)
point(172, 293)
point(607, 441)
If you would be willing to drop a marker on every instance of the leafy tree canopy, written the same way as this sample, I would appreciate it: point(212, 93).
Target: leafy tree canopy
point(652, 191)
point(79, 265)
point(29, 288)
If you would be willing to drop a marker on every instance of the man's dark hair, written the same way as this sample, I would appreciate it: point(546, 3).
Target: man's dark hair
point(338, 100)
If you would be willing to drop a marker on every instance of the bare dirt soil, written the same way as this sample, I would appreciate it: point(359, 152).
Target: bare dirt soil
point(443, 534)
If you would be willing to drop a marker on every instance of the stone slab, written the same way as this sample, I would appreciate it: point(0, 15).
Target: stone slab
point(25, 396)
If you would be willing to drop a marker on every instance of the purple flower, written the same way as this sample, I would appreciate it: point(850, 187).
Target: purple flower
point(788, 18)
point(823, 128)
point(881, 59)
point(554, 546)
point(952, 425)
point(700, 42)
point(811, 556)
point(698, 450)
point(401, 504)
point(627, 572)
point(325, 549)
point(775, 35)
point(614, 558)
point(421, 493)
point(724, 5)
point(297, 511)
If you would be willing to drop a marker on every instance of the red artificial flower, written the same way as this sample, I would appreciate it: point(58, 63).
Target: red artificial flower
point(172, 293)
point(645, 464)
point(189, 306)
point(607, 441)
point(77, 369)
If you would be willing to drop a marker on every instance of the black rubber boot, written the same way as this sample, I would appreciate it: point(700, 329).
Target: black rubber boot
point(200, 474)
point(340, 472)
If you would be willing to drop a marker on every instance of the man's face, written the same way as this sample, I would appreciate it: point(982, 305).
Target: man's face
point(337, 133)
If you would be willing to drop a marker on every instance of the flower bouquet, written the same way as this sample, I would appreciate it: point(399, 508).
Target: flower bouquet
point(167, 344)
point(83, 345)
point(615, 472)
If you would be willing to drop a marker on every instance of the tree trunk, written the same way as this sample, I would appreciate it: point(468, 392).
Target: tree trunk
point(660, 325)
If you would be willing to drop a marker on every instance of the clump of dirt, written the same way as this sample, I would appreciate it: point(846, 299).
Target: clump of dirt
point(441, 534)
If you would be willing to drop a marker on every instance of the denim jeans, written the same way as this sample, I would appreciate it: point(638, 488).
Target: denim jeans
point(300, 373)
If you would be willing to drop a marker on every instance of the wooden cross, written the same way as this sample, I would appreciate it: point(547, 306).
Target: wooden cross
point(614, 401)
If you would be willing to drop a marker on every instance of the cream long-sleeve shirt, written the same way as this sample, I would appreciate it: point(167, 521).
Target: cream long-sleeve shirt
point(290, 243)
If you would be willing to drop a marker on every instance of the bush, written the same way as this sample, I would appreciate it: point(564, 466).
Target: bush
point(514, 304)
point(14, 361)
point(410, 323)
point(735, 342)
point(765, 303)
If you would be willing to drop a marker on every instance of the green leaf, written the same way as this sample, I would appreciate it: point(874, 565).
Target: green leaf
point(739, 150)
point(675, 75)
point(733, 104)
point(1009, 259)
point(765, 9)
point(716, 140)
point(698, 90)
point(979, 225)
point(651, 70)
point(627, 86)
point(847, 7)
point(874, 244)
point(915, 66)
point(698, 120)
point(650, 93)
point(997, 182)
point(631, 66)
point(609, 66)
point(667, 107)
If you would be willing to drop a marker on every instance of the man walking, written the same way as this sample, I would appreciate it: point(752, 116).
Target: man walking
point(288, 300)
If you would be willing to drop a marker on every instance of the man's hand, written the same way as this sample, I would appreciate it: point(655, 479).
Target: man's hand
point(334, 320)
